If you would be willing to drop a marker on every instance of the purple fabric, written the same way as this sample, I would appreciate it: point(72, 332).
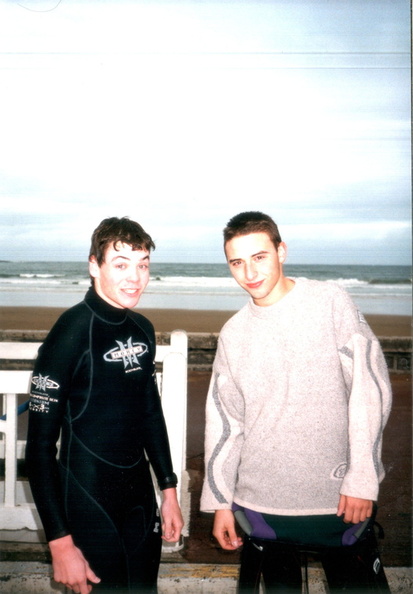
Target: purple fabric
point(351, 536)
point(259, 526)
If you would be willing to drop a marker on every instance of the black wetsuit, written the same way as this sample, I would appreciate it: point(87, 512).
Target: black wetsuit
point(94, 379)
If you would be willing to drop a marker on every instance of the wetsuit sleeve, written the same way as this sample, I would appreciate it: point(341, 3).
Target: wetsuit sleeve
point(155, 439)
point(369, 400)
point(51, 382)
point(224, 436)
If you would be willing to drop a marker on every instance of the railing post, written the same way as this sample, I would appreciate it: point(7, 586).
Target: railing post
point(179, 342)
point(174, 405)
point(10, 464)
point(174, 399)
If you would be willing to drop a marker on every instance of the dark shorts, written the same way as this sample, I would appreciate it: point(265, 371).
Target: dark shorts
point(319, 530)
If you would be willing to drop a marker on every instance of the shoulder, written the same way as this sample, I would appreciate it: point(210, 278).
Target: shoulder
point(141, 321)
point(236, 322)
point(144, 324)
point(325, 290)
point(335, 293)
point(73, 319)
point(328, 299)
point(347, 317)
point(70, 328)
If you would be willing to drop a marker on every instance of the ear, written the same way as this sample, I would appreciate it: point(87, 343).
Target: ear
point(282, 252)
point(93, 267)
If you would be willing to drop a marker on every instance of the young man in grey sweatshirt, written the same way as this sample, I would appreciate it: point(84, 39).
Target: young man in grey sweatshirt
point(296, 408)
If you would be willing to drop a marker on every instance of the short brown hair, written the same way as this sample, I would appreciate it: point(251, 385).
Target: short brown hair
point(252, 222)
point(115, 230)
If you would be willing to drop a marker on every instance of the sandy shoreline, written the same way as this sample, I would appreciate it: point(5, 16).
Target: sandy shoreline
point(165, 320)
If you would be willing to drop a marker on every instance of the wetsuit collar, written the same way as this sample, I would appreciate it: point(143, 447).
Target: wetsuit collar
point(103, 309)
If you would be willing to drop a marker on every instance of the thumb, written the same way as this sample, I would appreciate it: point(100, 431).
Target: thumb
point(341, 505)
point(91, 576)
point(166, 527)
point(233, 537)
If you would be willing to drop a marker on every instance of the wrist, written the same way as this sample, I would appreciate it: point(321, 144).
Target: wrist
point(169, 494)
point(64, 542)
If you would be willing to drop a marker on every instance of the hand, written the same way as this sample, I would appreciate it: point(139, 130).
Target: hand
point(172, 522)
point(70, 567)
point(355, 510)
point(224, 530)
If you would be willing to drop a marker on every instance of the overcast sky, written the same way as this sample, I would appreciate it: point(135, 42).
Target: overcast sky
point(181, 114)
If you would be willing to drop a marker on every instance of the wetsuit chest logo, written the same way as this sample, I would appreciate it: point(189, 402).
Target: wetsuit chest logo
point(128, 352)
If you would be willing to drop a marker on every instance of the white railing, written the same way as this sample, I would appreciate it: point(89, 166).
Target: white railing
point(17, 510)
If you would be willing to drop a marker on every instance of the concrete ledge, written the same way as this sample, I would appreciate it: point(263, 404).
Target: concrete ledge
point(202, 347)
point(176, 578)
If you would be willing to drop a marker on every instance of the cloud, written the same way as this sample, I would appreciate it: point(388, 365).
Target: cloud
point(181, 114)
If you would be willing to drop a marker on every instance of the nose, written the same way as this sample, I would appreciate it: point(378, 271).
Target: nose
point(250, 271)
point(134, 274)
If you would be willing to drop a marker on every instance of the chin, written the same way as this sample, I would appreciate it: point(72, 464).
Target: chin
point(131, 303)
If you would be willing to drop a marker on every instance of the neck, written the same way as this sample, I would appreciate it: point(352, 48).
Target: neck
point(284, 286)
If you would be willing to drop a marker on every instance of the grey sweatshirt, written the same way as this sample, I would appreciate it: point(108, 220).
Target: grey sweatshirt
point(296, 407)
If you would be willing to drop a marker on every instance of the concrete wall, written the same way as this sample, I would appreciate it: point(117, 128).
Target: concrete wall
point(202, 347)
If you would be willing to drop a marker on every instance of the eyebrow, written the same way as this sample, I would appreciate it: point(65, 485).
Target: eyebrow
point(252, 256)
point(120, 257)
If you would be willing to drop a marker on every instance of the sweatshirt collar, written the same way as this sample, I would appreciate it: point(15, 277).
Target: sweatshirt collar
point(266, 312)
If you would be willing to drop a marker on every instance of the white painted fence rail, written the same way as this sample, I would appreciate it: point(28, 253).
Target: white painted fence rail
point(17, 510)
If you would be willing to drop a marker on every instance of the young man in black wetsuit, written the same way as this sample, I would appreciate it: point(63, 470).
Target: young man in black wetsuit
point(94, 381)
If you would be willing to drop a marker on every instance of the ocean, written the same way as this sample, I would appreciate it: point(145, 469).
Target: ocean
point(375, 289)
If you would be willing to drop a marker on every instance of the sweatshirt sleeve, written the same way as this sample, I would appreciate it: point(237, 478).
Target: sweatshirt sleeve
point(369, 402)
point(224, 437)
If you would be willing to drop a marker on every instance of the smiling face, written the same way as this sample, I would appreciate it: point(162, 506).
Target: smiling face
point(122, 276)
point(256, 265)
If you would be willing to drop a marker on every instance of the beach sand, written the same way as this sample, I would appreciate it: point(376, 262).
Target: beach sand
point(395, 494)
point(166, 320)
